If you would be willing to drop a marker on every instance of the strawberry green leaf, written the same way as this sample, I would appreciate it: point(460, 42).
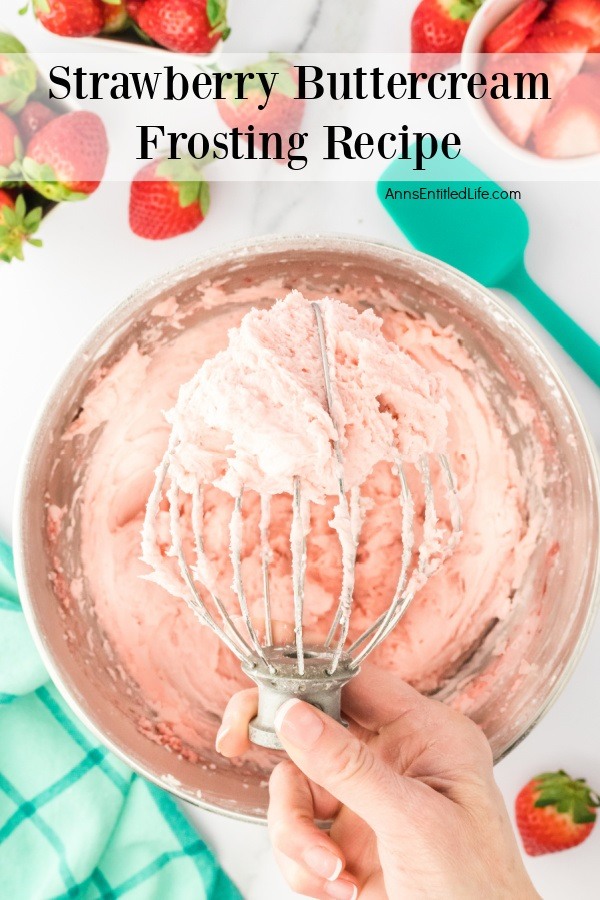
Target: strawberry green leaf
point(547, 800)
point(282, 69)
point(583, 817)
point(42, 178)
point(17, 226)
point(189, 193)
point(20, 208)
point(41, 6)
point(9, 217)
point(204, 198)
point(7, 255)
point(568, 796)
point(464, 10)
point(216, 12)
point(35, 171)
point(187, 175)
point(12, 174)
point(286, 84)
point(112, 2)
point(19, 78)
point(33, 219)
point(185, 169)
point(10, 44)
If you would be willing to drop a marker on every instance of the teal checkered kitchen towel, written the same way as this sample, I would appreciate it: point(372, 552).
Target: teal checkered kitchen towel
point(75, 821)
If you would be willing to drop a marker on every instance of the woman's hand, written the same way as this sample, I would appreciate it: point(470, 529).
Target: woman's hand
point(409, 788)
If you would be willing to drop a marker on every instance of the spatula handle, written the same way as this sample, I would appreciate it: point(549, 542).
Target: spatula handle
point(577, 342)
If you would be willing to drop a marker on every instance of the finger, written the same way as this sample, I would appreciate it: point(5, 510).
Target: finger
point(345, 766)
point(376, 697)
point(292, 826)
point(304, 882)
point(232, 737)
point(419, 736)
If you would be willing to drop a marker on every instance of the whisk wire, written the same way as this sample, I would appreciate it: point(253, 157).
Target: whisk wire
point(202, 569)
point(265, 562)
point(194, 600)
point(294, 668)
point(298, 543)
point(407, 531)
point(162, 572)
point(236, 525)
point(349, 543)
point(386, 622)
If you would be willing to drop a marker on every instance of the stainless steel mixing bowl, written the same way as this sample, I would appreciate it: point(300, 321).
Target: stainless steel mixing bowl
point(552, 618)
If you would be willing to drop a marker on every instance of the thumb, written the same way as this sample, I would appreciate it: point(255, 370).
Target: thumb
point(334, 758)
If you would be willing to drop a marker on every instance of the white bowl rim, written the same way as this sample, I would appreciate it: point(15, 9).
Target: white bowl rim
point(479, 28)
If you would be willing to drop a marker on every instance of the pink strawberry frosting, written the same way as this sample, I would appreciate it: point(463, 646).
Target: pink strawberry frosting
point(417, 383)
point(256, 414)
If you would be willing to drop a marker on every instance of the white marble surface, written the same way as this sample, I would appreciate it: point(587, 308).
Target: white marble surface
point(91, 261)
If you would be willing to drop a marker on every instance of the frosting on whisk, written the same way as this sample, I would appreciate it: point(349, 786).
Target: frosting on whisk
point(256, 414)
point(305, 401)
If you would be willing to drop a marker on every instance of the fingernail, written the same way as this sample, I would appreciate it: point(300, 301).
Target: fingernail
point(323, 862)
point(221, 735)
point(341, 890)
point(298, 723)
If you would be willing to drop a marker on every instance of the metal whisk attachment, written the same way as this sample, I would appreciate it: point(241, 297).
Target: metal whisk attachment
point(313, 672)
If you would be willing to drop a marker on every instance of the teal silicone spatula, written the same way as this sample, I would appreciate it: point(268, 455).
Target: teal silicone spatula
point(485, 239)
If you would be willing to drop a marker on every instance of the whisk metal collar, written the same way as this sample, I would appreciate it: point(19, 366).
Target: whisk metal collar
point(317, 686)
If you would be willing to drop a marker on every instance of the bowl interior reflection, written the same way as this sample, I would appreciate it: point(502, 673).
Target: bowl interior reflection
point(556, 611)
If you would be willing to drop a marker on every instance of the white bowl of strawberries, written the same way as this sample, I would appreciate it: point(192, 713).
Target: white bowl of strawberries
point(560, 38)
point(196, 27)
point(49, 152)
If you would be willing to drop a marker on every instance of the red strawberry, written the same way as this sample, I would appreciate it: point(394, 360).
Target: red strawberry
point(33, 118)
point(438, 30)
point(186, 26)
point(557, 37)
point(16, 226)
point(6, 200)
point(9, 141)
point(516, 118)
point(18, 74)
point(592, 61)
point(167, 198)
point(116, 16)
point(282, 114)
point(134, 8)
point(507, 36)
point(565, 46)
point(555, 813)
point(585, 13)
point(67, 158)
point(572, 127)
point(71, 18)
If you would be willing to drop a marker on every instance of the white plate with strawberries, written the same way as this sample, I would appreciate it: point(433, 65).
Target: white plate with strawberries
point(561, 38)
